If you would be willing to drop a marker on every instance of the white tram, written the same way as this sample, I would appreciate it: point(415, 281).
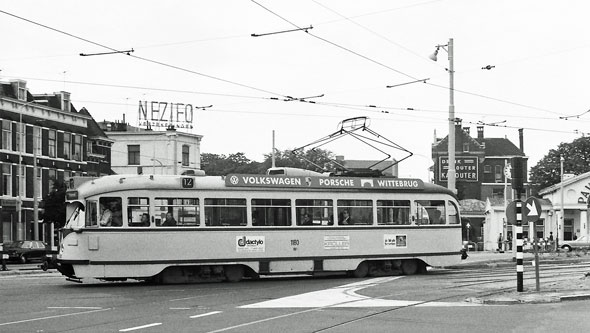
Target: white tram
point(250, 225)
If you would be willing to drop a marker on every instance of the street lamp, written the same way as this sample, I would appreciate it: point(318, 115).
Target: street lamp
point(451, 175)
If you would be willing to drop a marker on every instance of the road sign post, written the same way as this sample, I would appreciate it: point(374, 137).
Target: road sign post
point(532, 212)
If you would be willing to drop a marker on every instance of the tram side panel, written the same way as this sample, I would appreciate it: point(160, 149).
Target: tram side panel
point(108, 253)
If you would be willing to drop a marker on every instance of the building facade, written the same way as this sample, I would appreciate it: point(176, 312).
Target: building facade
point(44, 139)
point(137, 150)
point(482, 178)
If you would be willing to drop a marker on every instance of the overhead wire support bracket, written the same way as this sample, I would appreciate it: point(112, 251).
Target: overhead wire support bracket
point(574, 116)
point(403, 84)
point(128, 52)
point(282, 32)
point(302, 99)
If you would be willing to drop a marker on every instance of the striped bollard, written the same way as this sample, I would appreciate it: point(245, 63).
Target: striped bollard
point(519, 245)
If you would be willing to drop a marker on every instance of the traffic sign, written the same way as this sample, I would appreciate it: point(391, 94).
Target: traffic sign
point(532, 209)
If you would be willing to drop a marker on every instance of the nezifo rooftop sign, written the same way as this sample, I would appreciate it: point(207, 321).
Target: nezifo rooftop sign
point(165, 114)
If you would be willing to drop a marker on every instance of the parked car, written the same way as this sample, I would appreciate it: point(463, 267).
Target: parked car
point(580, 243)
point(25, 251)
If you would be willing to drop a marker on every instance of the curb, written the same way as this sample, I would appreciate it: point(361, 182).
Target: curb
point(530, 299)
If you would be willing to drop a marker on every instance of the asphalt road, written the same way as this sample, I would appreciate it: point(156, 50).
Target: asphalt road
point(435, 302)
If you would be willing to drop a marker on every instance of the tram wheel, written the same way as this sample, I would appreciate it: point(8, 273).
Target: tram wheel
point(234, 273)
point(409, 267)
point(361, 270)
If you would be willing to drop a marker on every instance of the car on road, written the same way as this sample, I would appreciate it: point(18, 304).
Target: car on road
point(25, 251)
point(582, 242)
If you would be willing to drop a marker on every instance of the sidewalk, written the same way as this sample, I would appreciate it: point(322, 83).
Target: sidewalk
point(576, 288)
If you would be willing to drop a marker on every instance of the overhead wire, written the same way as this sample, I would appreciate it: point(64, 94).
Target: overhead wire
point(252, 87)
point(142, 58)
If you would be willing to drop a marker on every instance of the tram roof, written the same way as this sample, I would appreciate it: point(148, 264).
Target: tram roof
point(242, 182)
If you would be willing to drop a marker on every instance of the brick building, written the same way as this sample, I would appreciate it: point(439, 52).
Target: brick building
point(44, 139)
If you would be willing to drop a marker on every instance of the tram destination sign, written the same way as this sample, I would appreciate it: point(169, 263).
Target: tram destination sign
point(240, 180)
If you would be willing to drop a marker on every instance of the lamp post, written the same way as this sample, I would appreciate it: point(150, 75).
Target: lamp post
point(451, 175)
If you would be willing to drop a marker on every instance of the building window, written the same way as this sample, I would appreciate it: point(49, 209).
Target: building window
point(6, 135)
point(52, 144)
point(133, 154)
point(20, 139)
point(185, 155)
point(78, 147)
point(498, 173)
point(6, 180)
point(52, 177)
point(466, 147)
point(20, 181)
point(67, 145)
point(37, 141)
point(487, 169)
point(498, 193)
point(39, 183)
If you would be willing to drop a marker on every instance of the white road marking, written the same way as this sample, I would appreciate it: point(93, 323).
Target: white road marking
point(180, 308)
point(139, 327)
point(205, 314)
point(51, 317)
point(75, 307)
point(346, 297)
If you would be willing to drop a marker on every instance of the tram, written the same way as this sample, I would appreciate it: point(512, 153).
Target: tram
point(180, 229)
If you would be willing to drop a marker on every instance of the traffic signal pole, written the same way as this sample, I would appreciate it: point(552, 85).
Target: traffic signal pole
point(519, 244)
point(517, 185)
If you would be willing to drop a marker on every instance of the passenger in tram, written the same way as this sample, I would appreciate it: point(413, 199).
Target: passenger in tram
point(145, 220)
point(170, 221)
point(345, 218)
point(117, 214)
point(306, 219)
point(106, 216)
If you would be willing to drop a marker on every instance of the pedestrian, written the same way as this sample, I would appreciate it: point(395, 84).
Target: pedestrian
point(500, 243)
point(509, 241)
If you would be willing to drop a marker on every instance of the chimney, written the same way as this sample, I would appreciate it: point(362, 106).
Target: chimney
point(466, 130)
point(521, 139)
point(480, 132)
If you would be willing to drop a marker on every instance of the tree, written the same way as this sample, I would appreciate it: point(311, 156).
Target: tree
point(54, 204)
point(286, 158)
point(221, 165)
point(576, 157)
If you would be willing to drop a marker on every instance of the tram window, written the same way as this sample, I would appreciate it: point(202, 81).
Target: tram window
point(314, 212)
point(136, 208)
point(225, 212)
point(110, 214)
point(271, 212)
point(453, 213)
point(430, 212)
point(393, 212)
point(91, 214)
point(355, 212)
point(185, 211)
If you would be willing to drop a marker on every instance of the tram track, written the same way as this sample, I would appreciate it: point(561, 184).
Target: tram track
point(505, 278)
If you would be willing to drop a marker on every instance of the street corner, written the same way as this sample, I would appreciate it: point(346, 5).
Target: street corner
point(515, 298)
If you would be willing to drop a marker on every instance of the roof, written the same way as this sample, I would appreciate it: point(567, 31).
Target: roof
point(566, 182)
point(501, 147)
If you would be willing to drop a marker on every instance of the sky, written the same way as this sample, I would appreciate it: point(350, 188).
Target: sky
point(203, 53)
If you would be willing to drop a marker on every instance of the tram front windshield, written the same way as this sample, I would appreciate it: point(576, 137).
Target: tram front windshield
point(74, 215)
